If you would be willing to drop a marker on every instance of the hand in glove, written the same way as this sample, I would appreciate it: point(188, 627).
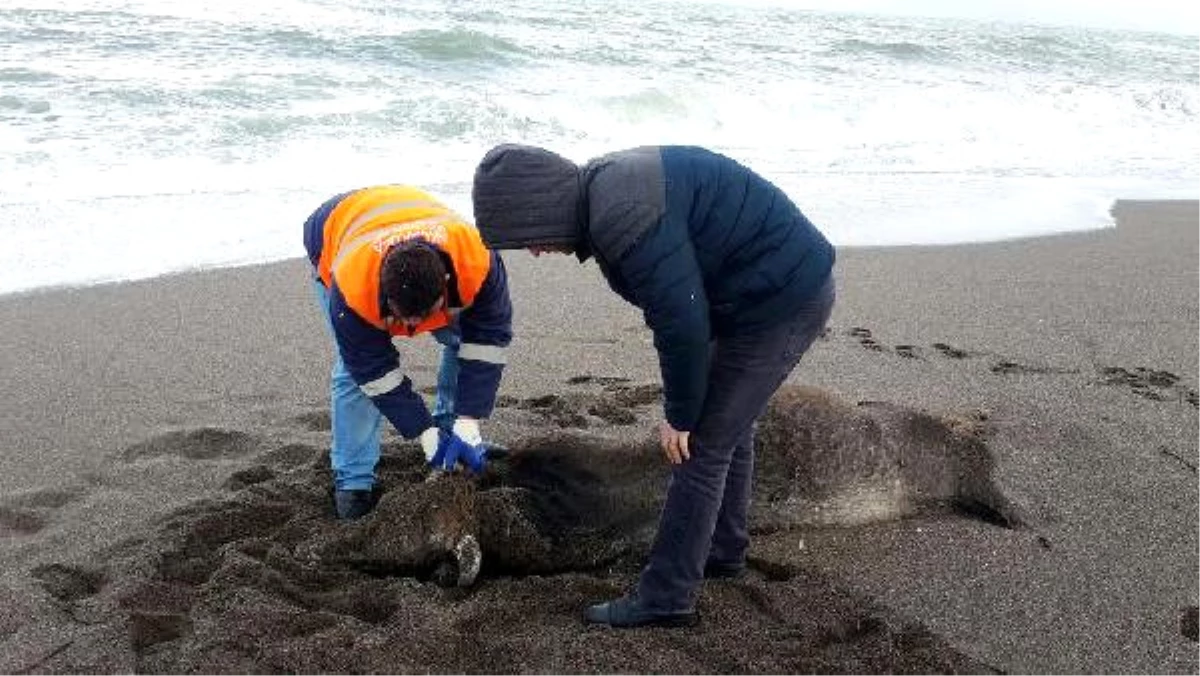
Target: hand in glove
point(431, 442)
point(464, 444)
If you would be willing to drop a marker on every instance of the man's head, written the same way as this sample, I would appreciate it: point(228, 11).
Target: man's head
point(413, 281)
point(527, 198)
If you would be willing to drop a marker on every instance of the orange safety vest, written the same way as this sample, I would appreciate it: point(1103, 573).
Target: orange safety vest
point(367, 223)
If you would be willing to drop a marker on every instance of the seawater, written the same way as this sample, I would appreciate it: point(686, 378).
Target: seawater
point(142, 137)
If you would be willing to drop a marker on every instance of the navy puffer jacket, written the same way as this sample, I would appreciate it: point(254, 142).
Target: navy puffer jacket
point(703, 245)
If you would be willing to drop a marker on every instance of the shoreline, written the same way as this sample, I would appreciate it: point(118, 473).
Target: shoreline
point(77, 286)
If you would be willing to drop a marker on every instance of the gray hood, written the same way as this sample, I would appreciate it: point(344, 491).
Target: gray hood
point(525, 196)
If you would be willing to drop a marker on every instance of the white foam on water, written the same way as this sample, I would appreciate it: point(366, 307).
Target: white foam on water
point(141, 137)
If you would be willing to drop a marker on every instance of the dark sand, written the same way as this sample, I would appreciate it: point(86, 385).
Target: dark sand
point(989, 464)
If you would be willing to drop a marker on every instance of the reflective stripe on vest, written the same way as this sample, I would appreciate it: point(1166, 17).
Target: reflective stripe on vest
point(382, 210)
point(424, 228)
point(490, 353)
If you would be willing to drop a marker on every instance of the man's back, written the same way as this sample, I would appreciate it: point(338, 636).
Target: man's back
point(758, 256)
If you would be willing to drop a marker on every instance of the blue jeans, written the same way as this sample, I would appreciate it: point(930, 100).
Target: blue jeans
point(708, 497)
point(356, 422)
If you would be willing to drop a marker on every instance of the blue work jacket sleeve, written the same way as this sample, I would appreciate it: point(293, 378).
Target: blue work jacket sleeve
point(486, 328)
point(374, 364)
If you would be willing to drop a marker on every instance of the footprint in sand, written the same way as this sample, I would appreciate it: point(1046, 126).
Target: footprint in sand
point(250, 476)
point(1002, 366)
point(868, 341)
point(865, 339)
point(292, 456)
point(30, 512)
point(46, 498)
point(1005, 366)
point(288, 458)
point(612, 412)
point(1189, 621)
point(315, 421)
point(1148, 383)
point(951, 352)
point(69, 583)
point(158, 612)
point(562, 410)
point(588, 379)
point(205, 443)
point(16, 521)
point(617, 403)
point(635, 395)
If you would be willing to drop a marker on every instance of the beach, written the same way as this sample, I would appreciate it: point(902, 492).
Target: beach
point(162, 477)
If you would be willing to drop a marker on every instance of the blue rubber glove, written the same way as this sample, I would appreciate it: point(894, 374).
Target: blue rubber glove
point(463, 444)
point(442, 459)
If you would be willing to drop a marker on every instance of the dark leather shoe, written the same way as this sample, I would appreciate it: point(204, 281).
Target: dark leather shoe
point(627, 612)
point(723, 571)
point(352, 505)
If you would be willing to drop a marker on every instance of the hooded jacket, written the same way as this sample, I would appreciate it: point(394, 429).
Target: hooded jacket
point(703, 245)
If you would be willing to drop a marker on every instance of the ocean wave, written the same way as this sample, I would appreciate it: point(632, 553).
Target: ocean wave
point(461, 44)
point(426, 118)
point(26, 75)
point(419, 48)
point(9, 102)
point(901, 51)
point(646, 105)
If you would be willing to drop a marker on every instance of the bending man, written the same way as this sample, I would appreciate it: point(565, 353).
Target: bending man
point(392, 262)
point(734, 282)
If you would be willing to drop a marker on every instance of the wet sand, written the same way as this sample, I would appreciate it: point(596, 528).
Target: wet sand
point(989, 463)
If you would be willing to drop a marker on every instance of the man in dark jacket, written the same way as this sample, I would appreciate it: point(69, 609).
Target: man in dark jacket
point(735, 284)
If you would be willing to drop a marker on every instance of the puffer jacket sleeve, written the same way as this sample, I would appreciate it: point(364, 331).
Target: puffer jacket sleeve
point(486, 328)
point(374, 364)
point(661, 274)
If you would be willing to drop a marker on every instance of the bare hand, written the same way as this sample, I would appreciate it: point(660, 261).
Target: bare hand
point(674, 443)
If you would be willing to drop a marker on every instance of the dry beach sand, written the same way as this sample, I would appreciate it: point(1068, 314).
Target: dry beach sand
point(988, 464)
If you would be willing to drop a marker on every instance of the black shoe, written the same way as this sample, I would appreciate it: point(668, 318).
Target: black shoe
point(627, 612)
point(723, 571)
point(352, 505)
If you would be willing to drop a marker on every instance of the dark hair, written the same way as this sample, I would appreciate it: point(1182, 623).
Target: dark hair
point(413, 277)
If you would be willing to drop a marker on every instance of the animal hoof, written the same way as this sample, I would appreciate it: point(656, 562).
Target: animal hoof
point(469, 558)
